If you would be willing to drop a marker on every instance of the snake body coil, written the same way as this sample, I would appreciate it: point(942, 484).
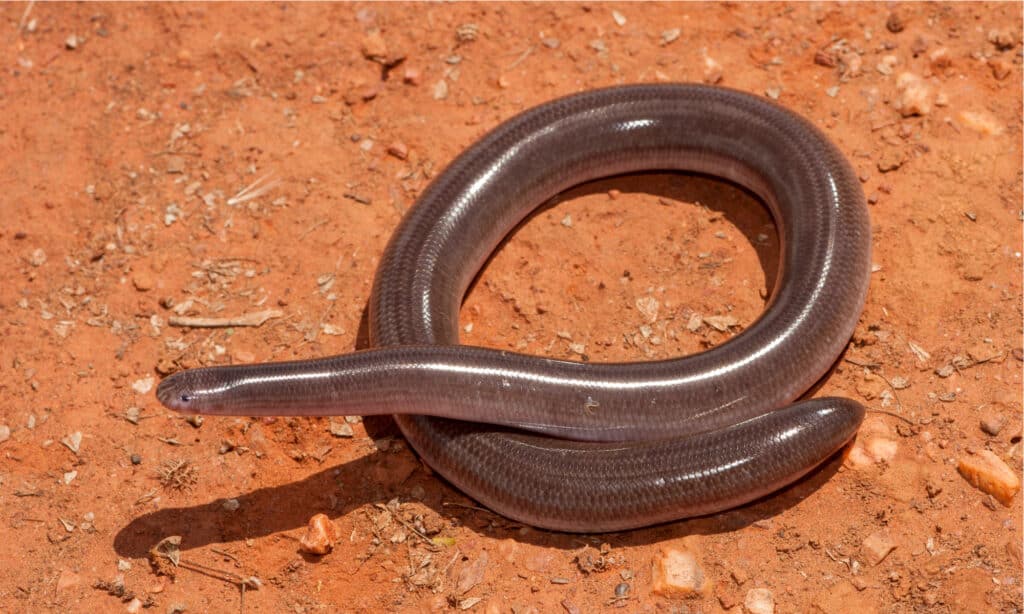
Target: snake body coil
point(598, 447)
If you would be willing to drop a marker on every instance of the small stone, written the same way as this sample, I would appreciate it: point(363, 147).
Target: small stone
point(721, 323)
point(320, 535)
point(759, 601)
point(38, 257)
point(243, 356)
point(877, 546)
point(1001, 69)
point(67, 579)
point(551, 43)
point(411, 76)
point(886, 65)
point(399, 150)
point(894, 23)
point(230, 505)
point(677, 573)
point(467, 32)
point(773, 92)
point(648, 307)
point(940, 59)
point(891, 160)
point(988, 473)
point(340, 429)
point(72, 42)
point(1002, 39)
point(143, 385)
point(993, 424)
point(945, 371)
point(712, 71)
point(134, 606)
point(123, 565)
point(567, 221)
point(982, 122)
point(175, 165)
point(915, 96)
point(73, 441)
point(900, 383)
point(619, 18)
point(472, 574)
point(136, 459)
point(143, 282)
point(374, 48)
point(5, 433)
point(881, 449)
point(832, 92)
point(824, 58)
point(441, 90)
point(669, 36)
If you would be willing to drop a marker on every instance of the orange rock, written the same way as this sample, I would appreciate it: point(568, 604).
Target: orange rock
point(877, 546)
point(320, 535)
point(988, 473)
point(678, 573)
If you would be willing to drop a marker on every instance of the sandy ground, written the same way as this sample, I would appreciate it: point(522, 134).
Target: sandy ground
point(130, 133)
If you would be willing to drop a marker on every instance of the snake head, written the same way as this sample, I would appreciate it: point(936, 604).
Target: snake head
point(179, 393)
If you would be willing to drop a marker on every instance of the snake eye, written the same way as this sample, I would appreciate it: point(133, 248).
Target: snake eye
point(185, 398)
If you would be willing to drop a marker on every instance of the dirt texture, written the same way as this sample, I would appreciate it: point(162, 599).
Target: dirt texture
point(131, 140)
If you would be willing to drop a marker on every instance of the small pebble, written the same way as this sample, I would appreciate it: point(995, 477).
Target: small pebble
point(1002, 39)
point(441, 90)
point(38, 257)
point(982, 122)
point(940, 59)
point(669, 36)
point(320, 535)
point(1001, 69)
point(143, 282)
point(411, 76)
point(374, 48)
point(991, 424)
point(175, 165)
point(759, 601)
point(621, 590)
point(230, 505)
point(713, 71)
point(877, 546)
point(398, 150)
point(136, 459)
point(340, 429)
point(988, 473)
point(894, 23)
point(551, 43)
point(72, 42)
point(915, 95)
point(73, 441)
point(677, 572)
point(5, 433)
point(143, 385)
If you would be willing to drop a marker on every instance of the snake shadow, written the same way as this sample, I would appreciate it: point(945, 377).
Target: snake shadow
point(344, 491)
point(392, 470)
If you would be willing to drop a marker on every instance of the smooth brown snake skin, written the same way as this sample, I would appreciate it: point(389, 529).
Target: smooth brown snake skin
point(598, 447)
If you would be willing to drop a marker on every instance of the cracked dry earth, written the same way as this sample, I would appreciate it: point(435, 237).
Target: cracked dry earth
point(133, 135)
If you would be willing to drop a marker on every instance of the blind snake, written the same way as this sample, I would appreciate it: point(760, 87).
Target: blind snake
point(587, 447)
